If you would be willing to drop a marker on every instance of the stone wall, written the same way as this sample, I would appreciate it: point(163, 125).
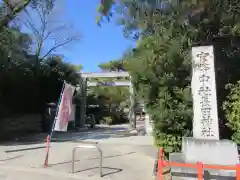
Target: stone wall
point(20, 125)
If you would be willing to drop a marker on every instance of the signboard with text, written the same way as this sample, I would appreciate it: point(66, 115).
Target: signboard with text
point(205, 119)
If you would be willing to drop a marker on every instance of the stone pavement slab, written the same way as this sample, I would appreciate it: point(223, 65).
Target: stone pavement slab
point(124, 157)
point(119, 162)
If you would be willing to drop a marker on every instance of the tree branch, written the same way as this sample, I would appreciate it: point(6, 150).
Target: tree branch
point(43, 29)
point(29, 24)
point(52, 31)
point(9, 17)
point(57, 46)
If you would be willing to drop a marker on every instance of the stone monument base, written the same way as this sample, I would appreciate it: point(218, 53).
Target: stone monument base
point(214, 152)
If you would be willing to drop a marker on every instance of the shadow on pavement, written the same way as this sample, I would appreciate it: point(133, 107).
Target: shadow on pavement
point(114, 155)
point(96, 133)
point(117, 155)
point(3, 160)
point(113, 170)
point(25, 149)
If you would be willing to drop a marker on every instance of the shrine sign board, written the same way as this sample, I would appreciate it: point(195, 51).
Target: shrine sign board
point(205, 118)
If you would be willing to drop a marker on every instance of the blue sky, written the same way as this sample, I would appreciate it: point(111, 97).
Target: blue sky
point(98, 44)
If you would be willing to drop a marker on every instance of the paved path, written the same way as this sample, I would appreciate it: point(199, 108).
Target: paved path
point(124, 157)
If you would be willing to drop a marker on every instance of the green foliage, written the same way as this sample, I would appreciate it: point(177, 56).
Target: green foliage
point(108, 120)
point(161, 63)
point(112, 119)
point(115, 66)
point(15, 8)
point(162, 77)
point(232, 110)
point(26, 83)
point(169, 142)
point(21, 91)
point(113, 97)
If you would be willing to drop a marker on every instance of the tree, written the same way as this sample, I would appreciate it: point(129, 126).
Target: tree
point(113, 97)
point(161, 63)
point(13, 7)
point(48, 34)
point(115, 65)
point(112, 94)
point(231, 108)
point(24, 88)
point(16, 6)
point(18, 91)
point(104, 9)
point(47, 27)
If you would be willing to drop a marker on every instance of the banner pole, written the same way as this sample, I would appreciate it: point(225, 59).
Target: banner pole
point(57, 110)
point(49, 137)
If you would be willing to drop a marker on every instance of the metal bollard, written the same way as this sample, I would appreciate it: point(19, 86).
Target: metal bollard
point(88, 146)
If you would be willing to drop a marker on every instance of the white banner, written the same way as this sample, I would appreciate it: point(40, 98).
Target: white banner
point(65, 108)
point(205, 119)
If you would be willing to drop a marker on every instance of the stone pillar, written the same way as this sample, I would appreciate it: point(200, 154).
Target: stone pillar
point(77, 105)
point(83, 102)
point(205, 117)
point(132, 116)
point(148, 125)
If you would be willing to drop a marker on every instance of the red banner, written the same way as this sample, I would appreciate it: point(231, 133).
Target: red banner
point(65, 106)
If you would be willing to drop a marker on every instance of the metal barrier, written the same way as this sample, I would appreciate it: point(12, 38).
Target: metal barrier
point(199, 166)
point(88, 146)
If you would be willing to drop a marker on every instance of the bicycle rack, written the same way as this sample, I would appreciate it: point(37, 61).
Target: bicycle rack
point(87, 146)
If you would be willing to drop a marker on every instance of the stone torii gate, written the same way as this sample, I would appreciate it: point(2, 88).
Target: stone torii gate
point(85, 83)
